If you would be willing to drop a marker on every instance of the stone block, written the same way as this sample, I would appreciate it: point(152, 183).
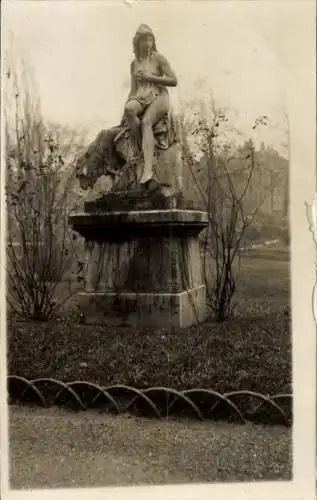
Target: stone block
point(143, 265)
point(165, 310)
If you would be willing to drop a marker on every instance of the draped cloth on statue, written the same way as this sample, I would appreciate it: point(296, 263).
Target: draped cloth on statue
point(164, 134)
point(114, 153)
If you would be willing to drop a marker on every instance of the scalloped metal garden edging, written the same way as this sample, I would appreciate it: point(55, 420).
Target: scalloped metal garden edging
point(162, 402)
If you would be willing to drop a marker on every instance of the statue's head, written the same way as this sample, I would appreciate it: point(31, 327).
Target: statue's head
point(144, 41)
point(91, 164)
point(86, 175)
point(99, 159)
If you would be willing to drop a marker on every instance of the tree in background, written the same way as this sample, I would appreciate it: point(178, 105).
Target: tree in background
point(40, 163)
point(222, 175)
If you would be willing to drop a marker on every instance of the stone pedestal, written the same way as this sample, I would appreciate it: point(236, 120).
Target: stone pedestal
point(143, 261)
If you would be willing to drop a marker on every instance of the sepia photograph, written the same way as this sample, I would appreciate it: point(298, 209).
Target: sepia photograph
point(157, 182)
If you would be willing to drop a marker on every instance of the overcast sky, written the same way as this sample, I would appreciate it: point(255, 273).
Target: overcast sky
point(81, 51)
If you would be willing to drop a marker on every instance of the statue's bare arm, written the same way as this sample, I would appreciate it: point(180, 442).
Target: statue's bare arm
point(169, 77)
point(133, 82)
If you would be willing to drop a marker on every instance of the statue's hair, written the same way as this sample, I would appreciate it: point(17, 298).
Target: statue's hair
point(142, 30)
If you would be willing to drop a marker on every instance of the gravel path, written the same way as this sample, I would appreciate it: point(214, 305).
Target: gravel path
point(55, 448)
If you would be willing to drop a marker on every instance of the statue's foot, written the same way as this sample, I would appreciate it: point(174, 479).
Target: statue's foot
point(149, 188)
point(146, 178)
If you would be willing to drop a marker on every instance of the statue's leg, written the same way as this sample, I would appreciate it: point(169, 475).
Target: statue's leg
point(132, 111)
point(156, 110)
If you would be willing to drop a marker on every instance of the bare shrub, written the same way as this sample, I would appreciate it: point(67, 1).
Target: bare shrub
point(41, 248)
point(222, 175)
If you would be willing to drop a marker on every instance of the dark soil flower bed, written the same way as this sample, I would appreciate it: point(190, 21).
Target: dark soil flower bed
point(253, 354)
point(251, 351)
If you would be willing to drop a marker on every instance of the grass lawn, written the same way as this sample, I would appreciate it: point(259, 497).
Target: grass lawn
point(269, 253)
point(250, 351)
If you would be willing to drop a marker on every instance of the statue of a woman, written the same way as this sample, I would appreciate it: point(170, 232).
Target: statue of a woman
point(147, 127)
point(151, 74)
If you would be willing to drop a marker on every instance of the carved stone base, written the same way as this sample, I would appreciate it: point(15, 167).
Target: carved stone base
point(164, 310)
point(143, 265)
point(139, 199)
